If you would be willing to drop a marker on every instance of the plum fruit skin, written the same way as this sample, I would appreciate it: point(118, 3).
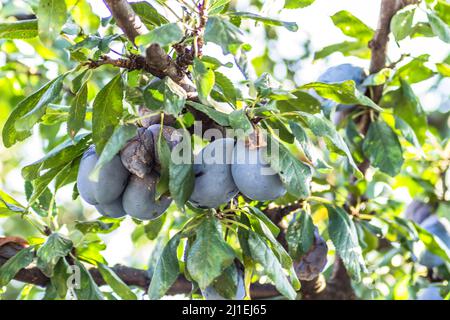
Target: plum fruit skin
point(418, 211)
point(112, 179)
point(138, 154)
point(170, 134)
point(214, 183)
point(247, 168)
point(139, 198)
point(210, 293)
point(113, 209)
point(442, 231)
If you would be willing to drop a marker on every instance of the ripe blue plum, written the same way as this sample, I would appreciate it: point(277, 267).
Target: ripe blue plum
point(111, 180)
point(214, 183)
point(253, 175)
point(139, 198)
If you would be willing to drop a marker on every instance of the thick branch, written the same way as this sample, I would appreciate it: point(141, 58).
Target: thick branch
point(126, 18)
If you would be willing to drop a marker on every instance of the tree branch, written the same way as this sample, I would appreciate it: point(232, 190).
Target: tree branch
point(126, 18)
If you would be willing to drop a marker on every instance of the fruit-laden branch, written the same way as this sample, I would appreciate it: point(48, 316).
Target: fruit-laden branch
point(131, 276)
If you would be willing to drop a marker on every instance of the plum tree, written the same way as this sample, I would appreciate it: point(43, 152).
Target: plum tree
point(253, 176)
point(138, 154)
point(441, 229)
point(139, 198)
point(76, 76)
point(314, 261)
point(112, 179)
point(113, 209)
point(214, 184)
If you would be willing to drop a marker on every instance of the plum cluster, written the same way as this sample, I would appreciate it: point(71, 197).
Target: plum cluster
point(223, 168)
point(127, 183)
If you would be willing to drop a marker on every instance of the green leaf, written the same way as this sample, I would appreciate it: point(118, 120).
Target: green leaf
point(303, 139)
point(226, 86)
point(165, 35)
point(101, 225)
point(119, 138)
point(442, 9)
point(407, 131)
point(174, 97)
point(77, 111)
point(295, 4)
point(352, 26)
point(264, 219)
point(164, 154)
point(9, 134)
point(216, 6)
point(62, 154)
point(24, 29)
point(267, 87)
point(347, 48)
point(166, 271)
point(434, 244)
point(439, 27)
point(148, 14)
point(295, 175)
point(107, 110)
point(262, 254)
point(61, 274)
point(443, 69)
point(291, 26)
point(343, 233)
point(219, 117)
point(401, 23)
point(27, 121)
point(153, 227)
point(303, 102)
point(116, 283)
point(209, 255)
point(382, 148)
point(181, 173)
point(300, 234)
point(204, 79)
point(88, 289)
point(239, 121)
point(343, 93)
point(322, 127)
point(9, 206)
point(407, 106)
point(13, 265)
point(51, 251)
point(41, 183)
point(52, 15)
point(222, 32)
point(413, 72)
